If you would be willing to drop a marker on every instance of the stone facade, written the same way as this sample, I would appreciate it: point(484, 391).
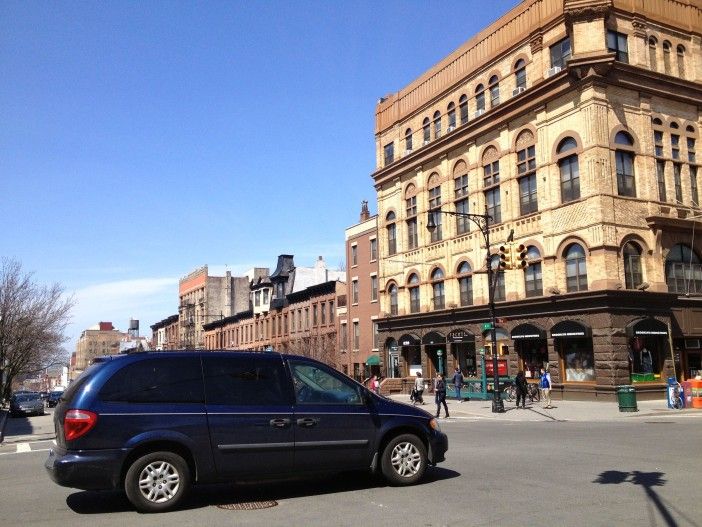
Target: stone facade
point(574, 124)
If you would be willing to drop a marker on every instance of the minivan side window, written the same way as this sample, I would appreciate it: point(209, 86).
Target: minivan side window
point(167, 380)
point(230, 381)
point(315, 385)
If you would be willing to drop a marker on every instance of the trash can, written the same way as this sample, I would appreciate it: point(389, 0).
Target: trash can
point(627, 399)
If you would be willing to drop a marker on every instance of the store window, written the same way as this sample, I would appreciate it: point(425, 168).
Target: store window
point(578, 360)
point(645, 359)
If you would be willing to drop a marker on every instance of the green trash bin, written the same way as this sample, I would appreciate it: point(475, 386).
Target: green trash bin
point(627, 399)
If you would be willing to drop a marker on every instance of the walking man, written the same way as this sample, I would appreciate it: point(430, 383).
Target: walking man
point(458, 383)
point(440, 394)
point(545, 385)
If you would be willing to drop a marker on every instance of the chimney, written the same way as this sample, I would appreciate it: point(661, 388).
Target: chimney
point(364, 210)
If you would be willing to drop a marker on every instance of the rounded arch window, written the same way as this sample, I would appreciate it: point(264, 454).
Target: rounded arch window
point(566, 145)
point(408, 140)
point(464, 268)
point(576, 270)
point(413, 288)
point(390, 216)
point(657, 122)
point(569, 169)
point(426, 130)
point(392, 293)
point(623, 138)
point(480, 98)
point(438, 294)
point(463, 108)
point(451, 115)
point(633, 275)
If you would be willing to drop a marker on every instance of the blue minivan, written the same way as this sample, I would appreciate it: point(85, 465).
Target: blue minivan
point(153, 424)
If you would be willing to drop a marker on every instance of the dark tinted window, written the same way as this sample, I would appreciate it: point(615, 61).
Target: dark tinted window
point(84, 377)
point(165, 380)
point(232, 381)
point(315, 384)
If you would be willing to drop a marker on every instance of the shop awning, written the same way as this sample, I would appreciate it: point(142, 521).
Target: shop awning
point(646, 327)
point(527, 331)
point(570, 328)
point(460, 335)
point(373, 360)
point(409, 340)
point(433, 337)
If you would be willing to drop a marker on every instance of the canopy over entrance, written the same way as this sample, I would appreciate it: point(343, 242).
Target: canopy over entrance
point(373, 360)
point(646, 327)
point(528, 331)
point(570, 328)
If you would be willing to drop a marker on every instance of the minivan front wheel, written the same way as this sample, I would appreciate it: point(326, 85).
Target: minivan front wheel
point(404, 460)
point(157, 481)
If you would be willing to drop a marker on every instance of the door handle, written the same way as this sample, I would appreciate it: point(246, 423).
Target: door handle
point(307, 422)
point(280, 423)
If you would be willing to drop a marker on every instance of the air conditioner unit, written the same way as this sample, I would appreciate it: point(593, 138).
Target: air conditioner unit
point(426, 142)
point(518, 90)
point(437, 134)
point(553, 71)
point(408, 151)
point(450, 129)
point(478, 113)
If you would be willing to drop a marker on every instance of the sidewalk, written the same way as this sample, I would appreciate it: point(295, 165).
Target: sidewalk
point(561, 410)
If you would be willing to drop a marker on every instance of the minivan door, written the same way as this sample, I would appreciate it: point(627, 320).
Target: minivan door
point(249, 410)
point(334, 428)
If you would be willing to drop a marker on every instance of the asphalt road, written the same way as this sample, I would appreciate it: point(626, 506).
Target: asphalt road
point(643, 472)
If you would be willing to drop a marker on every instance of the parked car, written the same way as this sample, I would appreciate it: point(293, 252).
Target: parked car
point(26, 404)
point(155, 423)
point(53, 398)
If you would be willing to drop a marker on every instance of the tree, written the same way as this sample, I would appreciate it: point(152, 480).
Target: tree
point(32, 323)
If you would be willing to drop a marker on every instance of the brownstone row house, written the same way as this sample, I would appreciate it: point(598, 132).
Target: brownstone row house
point(166, 334)
point(573, 124)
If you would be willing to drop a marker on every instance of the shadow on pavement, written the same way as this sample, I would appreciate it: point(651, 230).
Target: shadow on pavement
point(106, 502)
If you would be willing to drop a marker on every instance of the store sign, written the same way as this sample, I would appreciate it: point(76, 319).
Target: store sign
point(501, 367)
point(460, 335)
point(643, 332)
point(568, 334)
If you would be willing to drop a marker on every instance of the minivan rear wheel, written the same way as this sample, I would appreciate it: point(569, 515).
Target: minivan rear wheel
point(157, 481)
point(404, 460)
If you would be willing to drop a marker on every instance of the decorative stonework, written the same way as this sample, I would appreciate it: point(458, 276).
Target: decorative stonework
point(536, 43)
point(490, 154)
point(526, 138)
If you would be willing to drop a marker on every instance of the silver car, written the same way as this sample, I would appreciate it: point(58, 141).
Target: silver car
point(26, 404)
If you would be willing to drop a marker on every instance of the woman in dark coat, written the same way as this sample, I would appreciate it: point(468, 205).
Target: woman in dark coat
point(521, 385)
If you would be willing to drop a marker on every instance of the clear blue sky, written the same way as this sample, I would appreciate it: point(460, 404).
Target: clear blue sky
point(140, 140)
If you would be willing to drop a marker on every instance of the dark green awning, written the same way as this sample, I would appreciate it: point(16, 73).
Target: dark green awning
point(373, 360)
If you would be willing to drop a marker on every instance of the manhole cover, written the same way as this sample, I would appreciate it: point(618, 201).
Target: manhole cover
point(248, 505)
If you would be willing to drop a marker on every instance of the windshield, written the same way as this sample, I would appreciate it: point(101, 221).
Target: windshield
point(26, 397)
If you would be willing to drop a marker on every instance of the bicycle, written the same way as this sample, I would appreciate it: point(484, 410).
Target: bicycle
point(533, 392)
point(678, 403)
point(510, 391)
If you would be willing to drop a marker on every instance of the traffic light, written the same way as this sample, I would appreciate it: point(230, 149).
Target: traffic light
point(522, 257)
point(505, 257)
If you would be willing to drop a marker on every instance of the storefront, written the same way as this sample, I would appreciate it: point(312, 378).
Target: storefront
point(572, 342)
point(648, 346)
point(462, 349)
point(392, 361)
point(531, 349)
point(434, 345)
point(411, 353)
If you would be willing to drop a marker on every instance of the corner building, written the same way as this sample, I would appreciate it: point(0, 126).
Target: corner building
point(575, 125)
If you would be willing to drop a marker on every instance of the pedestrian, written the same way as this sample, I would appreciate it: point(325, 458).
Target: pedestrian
point(440, 394)
point(418, 389)
point(545, 386)
point(375, 384)
point(458, 383)
point(521, 384)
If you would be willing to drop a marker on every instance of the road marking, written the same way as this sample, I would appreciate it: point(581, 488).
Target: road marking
point(25, 451)
point(23, 447)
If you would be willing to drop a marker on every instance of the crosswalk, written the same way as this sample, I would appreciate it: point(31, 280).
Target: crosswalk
point(26, 447)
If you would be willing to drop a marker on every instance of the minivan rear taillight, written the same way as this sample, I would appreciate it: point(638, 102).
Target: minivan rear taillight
point(77, 423)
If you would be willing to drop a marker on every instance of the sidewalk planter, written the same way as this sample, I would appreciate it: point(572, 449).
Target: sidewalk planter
point(626, 395)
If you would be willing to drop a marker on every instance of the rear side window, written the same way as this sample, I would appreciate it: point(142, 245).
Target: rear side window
point(257, 382)
point(166, 380)
point(84, 377)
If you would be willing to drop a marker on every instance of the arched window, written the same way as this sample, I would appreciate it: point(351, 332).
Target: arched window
point(494, 91)
point(392, 293)
point(465, 284)
point(491, 180)
point(391, 230)
point(666, 57)
point(408, 141)
point(411, 215)
point(520, 75)
point(652, 51)
point(413, 289)
point(683, 271)
point(576, 269)
point(633, 277)
point(499, 292)
point(533, 284)
point(437, 124)
point(437, 286)
point(569, 170)
point(426, 130)
point(526, 172)
point(681, 61)
point(624, 156)
point(434, 185)
point(479, 99)
point(451, 115)
point(463, 108)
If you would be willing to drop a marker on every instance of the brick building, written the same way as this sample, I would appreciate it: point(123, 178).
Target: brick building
point(101, 339)
point(574, 125)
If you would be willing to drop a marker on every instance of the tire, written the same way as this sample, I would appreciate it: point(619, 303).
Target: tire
point(157, 481)
point(510, 392)
point(404, 460)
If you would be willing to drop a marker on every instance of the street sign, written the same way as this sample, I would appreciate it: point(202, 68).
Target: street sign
point(487, 325)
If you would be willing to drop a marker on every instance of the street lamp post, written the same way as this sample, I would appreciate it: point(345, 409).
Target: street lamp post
point(482, 222)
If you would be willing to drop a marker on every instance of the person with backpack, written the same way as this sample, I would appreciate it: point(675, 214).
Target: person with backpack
point(440, 394)
point(545, 386)
point(520, 383)
point(458, 383)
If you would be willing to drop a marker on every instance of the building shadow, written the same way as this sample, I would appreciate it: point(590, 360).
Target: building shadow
point(106, 502)
point(648, 481)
